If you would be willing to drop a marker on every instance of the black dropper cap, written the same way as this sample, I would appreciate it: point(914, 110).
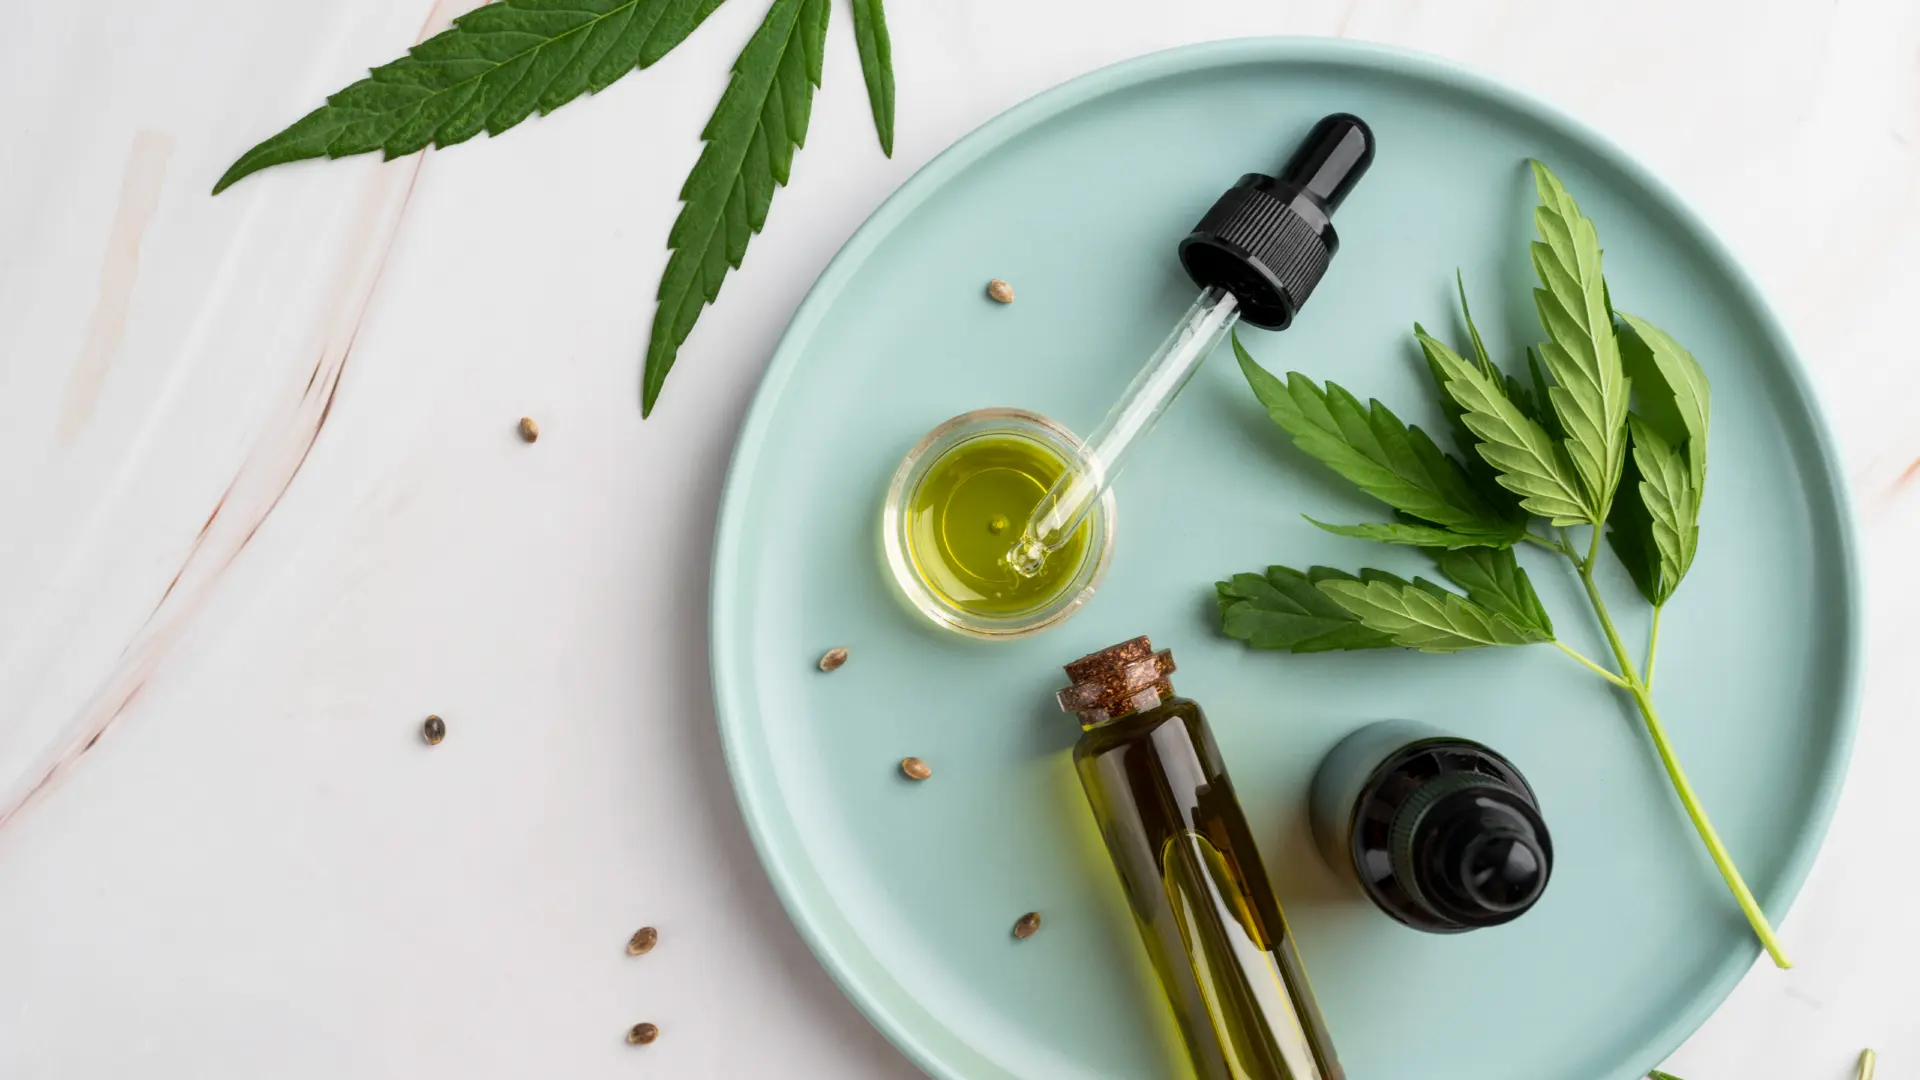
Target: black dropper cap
point(1471, 850)
point(1269, 239)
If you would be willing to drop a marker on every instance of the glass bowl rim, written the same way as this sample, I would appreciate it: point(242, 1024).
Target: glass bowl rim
point(913, 468)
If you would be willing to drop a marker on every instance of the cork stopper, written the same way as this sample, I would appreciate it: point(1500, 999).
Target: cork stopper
point(1121, 679)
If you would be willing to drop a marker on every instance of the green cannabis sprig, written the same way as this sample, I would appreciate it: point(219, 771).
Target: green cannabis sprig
point(500, 63)
point(1609, 434)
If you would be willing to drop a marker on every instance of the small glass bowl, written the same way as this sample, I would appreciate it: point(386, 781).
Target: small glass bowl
point(942, 440)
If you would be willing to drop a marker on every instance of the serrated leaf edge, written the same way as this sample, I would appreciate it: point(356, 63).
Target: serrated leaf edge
point(698, 262)
point(1529, 462)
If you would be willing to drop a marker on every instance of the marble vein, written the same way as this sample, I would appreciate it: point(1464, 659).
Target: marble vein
point(140, 185)
point(267, 472)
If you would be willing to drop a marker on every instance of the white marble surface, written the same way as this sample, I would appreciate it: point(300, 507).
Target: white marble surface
point(265, 508)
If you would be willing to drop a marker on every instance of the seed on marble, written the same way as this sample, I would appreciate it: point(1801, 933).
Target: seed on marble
point(528, 429)
point(642, 941)
point(915, 768)
point(1000, 291)
point(1027, 925)
point(642, 1034)
point(834, 658)
point(433, 730)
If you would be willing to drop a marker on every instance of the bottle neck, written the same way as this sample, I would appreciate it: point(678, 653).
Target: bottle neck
point(1145, 707)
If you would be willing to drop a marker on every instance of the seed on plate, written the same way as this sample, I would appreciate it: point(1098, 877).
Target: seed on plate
point(1028, 924)
point(915, 768)
point(643, 941)
point(642, 1034)
point(528, 429)
point(834, 658)
point(433, 730)
point(1000, 291)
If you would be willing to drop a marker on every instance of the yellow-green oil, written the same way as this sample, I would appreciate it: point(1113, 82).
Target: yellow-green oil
point(967, 512)
point(1201, 898)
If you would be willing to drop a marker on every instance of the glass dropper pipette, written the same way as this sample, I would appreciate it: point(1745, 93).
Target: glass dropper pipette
point(1256, 256)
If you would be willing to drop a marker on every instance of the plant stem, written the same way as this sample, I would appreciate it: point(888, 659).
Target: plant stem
point(1535, 538)
point(1595, 668)
point(1653, 644)
point(1606, 620)
point(1748, 905)
point(1681, 786)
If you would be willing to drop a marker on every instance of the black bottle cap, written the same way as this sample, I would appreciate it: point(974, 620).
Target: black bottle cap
point(1269, 239)
point(1471, 851)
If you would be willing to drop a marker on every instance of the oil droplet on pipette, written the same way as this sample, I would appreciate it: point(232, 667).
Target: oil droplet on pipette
point(1027, 557)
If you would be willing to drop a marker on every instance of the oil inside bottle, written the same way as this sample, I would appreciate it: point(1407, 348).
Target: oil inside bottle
point(1244, 971)
point(1193, 878)
point(969, 508)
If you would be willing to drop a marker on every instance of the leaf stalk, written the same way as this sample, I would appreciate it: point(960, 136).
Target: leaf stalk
point(1550, 545)
point(1653, 644)
point(1593, 667)
point(1689, 799)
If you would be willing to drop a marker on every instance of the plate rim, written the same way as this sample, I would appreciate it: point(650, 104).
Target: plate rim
point(1825, 472)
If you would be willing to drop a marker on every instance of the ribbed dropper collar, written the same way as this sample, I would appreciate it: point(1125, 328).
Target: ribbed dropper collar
point(1269, 239)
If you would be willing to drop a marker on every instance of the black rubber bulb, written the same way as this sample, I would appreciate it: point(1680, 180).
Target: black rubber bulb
point(1332, 158)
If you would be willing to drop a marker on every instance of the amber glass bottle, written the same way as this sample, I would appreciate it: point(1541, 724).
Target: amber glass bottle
point(1191, 873)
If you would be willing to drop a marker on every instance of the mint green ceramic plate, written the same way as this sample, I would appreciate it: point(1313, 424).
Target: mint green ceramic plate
point(907, 891)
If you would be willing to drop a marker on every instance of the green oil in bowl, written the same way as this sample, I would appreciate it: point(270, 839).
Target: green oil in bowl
point(969, 509)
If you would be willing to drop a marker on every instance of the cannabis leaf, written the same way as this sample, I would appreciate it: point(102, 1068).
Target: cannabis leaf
point(1656, 528)
point(1542, 394)
point(760, 121)
point(488, 72)
point(1523, 396)
point(1485, 480)
point(1463, 436)
point(1418, 535)
point(1494, 580)
point(1284, 610)
point(1666, 488)
point(1397, 464)
point(1671, 389)
point(500, 62)
point(1657, 537)
point(1473, 332)
point(1530, 463)
point(1421, 615)
point(1590, 395)
point(1630, 533)
point(876, 63)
